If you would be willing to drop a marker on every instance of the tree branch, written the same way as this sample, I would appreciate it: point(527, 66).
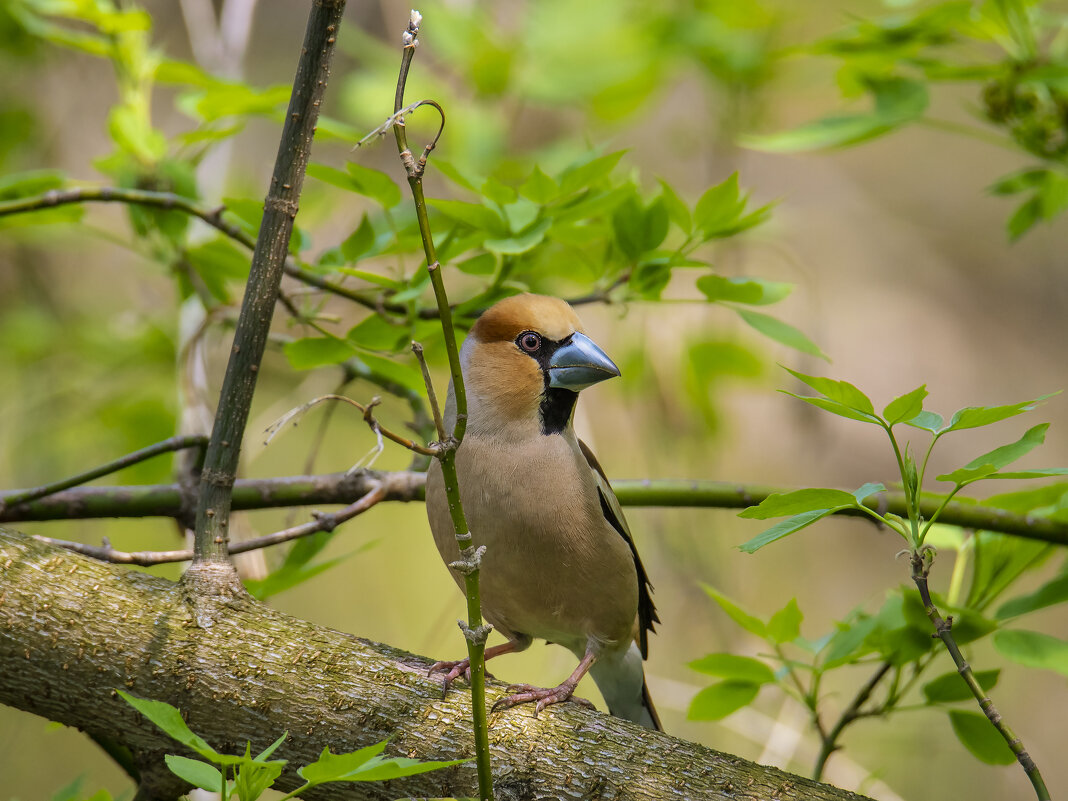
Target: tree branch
point(265, 277)
point(320, 522)
point(73, 630)
point(169, 500)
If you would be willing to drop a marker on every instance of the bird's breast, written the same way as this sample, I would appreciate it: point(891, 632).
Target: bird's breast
point(554, 568)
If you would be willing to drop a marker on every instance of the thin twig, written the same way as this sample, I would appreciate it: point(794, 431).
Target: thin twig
point(920, 561)
point(321, 522)
point(166, 446)
point(294, 414)
point(829, 740)
point(439, 425)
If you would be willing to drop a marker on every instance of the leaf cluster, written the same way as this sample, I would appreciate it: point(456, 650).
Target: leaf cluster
point(1012, 53)
point(246, 777)
point(897, 638)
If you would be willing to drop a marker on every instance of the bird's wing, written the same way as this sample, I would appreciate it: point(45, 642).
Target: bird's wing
point(613, 513)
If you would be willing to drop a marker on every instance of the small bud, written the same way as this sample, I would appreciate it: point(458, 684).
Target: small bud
point(415, 19)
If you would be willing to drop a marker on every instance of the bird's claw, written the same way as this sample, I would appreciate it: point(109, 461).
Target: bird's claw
point(543, 696)
point(453, 671)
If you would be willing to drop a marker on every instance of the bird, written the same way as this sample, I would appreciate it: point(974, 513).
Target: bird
point(560, 563)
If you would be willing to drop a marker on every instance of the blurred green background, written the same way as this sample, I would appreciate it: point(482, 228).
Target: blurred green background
point(904, 275)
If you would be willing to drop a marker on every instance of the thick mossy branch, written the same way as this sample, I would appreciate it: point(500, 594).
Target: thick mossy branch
point(73, 630)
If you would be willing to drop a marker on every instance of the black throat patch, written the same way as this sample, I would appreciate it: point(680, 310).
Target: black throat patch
point(557, 404)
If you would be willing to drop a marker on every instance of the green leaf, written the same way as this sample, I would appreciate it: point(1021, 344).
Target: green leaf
point(649, 279)
point(785, 625)
point(747, 621)
point(783, 528)
point(454, 174)
point(798, 501)
point(897, 101)
point(907, 407)
point(848, 642)
point(1033, 649)
point(840, 391)
point(781, 332)
point(976, 416)
point(377, 333)
point(981, 738)
point(70, 792)
point(1025, 217)
point(381, 769)
point(1042, 472)
point(1051, 593)
point(951, 687)
point(520, 243)
point(217, 262)
point(374, 184)
point(719, 206)
point(403, 374)
point(365, 765)
point(989, 463)
point(837, 130)
point(720, 700)
point(266, 752)
point(753, 291)
point(539, 187)
point(309, 352)
point(334, 767)
point(197, 773)
point(255, 775)
point(678, 211)
point(498, 191)
point(34, 182)
point(286, 577)
point(638, 230)
point(474, 215)
point(928, 421)
point(731, 666)
point(583, 174)
point(170, 721)
point(359, 241)
point(482, 264)
point(1020, 181)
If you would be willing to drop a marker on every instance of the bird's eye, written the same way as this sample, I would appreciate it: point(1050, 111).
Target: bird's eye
point(529, 341)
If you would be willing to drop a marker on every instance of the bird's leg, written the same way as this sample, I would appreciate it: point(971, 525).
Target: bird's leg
point(544, 696)
point(462, 667)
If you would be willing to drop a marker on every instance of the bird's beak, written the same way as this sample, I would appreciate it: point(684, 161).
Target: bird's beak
point(579, 364)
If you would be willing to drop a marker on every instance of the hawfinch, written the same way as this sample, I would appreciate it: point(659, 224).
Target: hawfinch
point(560, 563)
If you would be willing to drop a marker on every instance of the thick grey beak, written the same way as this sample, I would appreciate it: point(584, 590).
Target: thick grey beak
point(579, 364)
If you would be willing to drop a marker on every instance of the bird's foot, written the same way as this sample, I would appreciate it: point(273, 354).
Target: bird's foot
point(543, 696)
point(452, 670)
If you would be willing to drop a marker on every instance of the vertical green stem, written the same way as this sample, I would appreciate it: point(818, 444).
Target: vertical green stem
point(265, 276)
point(475, 633)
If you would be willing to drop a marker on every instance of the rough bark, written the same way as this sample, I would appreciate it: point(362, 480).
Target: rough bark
point(72, 630)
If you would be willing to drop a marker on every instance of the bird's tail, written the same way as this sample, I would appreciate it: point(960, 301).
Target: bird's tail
point(621, 680)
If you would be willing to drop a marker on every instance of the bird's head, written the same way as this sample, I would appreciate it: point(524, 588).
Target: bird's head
point(525, 361)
